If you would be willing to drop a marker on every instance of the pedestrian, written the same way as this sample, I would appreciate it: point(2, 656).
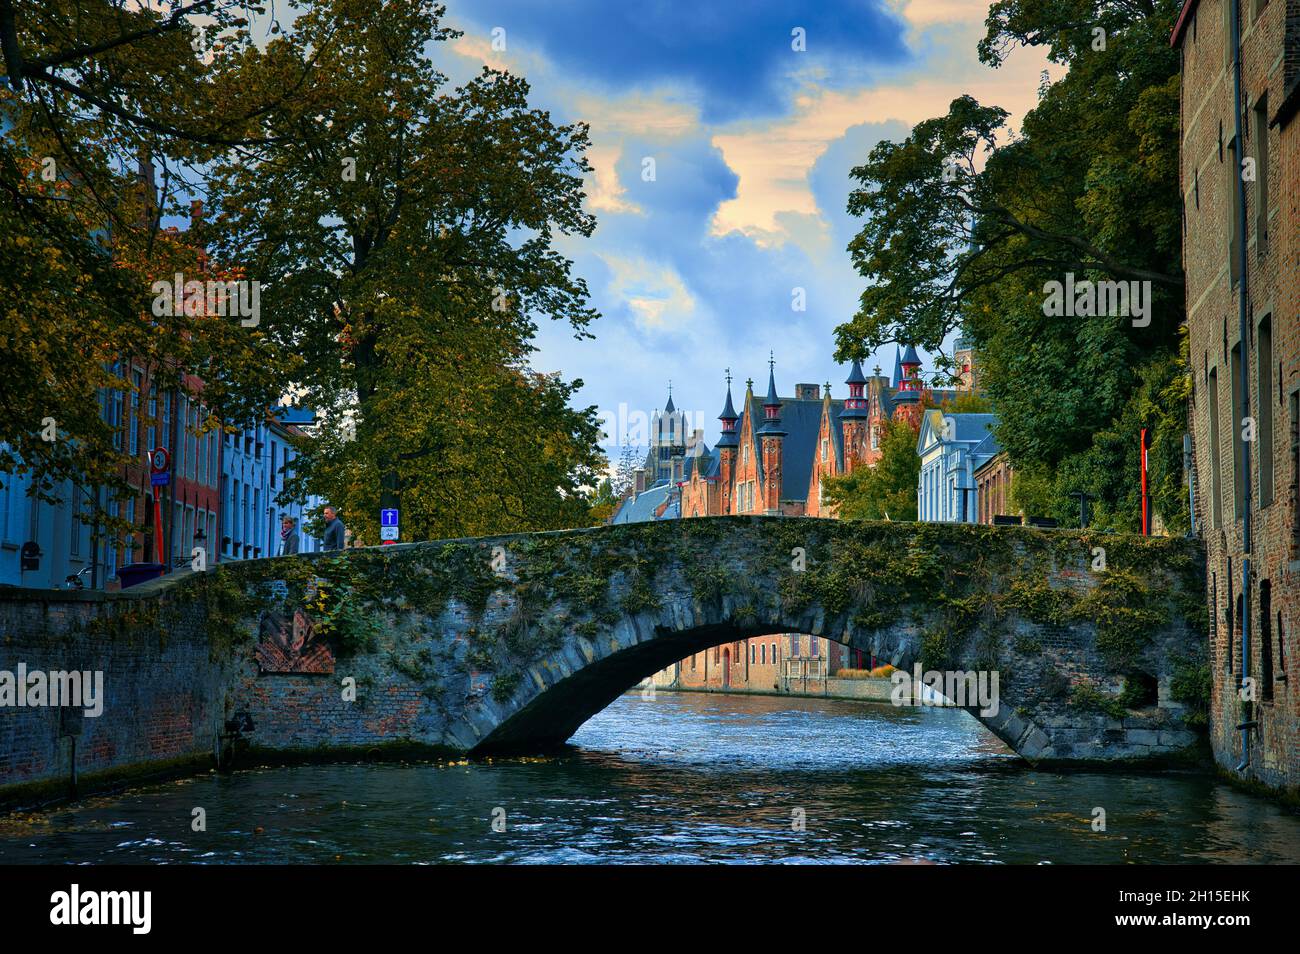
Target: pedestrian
point(334, 530)
point(288, 536)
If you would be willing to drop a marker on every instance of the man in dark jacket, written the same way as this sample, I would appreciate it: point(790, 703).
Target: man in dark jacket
point(288, 537)
point(334, 530)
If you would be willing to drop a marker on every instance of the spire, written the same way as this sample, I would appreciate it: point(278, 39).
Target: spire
point(897, 379)
point(728, 417)
point(855, 405)
point(911, 382)
point(771, 403)
point(669, 408)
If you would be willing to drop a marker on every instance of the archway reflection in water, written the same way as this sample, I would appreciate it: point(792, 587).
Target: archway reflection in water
point(686, 777)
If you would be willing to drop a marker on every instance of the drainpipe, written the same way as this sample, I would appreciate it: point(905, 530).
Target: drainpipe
point(1244, 330)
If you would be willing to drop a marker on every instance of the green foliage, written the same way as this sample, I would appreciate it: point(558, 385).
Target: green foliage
point(1190, 685)
point(1088, 697)
point(886, 490)
point(960, 230)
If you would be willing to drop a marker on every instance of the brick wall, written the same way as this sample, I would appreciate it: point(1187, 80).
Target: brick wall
point(1273, 286)
point(162, 704)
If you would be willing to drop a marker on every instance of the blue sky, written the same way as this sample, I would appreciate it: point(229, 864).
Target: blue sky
point(752, 142)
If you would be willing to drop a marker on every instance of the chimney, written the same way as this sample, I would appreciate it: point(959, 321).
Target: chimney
point(808, 392)
point(638, 481)
point(196, 213)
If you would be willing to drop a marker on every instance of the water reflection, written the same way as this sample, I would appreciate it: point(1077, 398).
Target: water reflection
point(686, 778)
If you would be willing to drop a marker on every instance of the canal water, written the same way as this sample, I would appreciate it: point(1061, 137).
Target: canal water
point(685, 777)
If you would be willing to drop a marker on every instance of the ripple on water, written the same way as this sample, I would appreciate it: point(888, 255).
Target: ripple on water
point(685, 778)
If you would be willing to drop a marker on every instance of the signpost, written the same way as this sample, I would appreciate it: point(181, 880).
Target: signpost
point(160, 475)
point(387, 526)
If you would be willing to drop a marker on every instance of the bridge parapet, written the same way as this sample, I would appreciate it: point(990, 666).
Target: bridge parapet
point(1098, 641)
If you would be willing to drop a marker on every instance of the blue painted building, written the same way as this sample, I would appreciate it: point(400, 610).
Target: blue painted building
point(255, 463)
point(952, 447)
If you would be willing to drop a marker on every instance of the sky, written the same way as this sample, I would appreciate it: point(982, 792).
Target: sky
point(698, 269)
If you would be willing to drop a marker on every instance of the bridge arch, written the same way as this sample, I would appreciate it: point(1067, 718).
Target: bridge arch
point(509, 644)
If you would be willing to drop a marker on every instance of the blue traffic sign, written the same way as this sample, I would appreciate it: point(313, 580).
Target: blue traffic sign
point(160, 478)
point(388, 518)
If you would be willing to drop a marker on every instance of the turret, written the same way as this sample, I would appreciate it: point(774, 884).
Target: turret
point(771, 442)
point(853, 418)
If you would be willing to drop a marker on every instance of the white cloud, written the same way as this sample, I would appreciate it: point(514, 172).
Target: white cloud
point(773, 159)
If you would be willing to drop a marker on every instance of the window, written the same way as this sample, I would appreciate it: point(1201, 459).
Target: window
point(1266, 639)
point(753, 652)
point(717, 654)
point(1238, 445)
point(1227, 618)
point(192, 438)
point(130, 537)
point(214, 472)
point(1229, 21)
point(167, 421)
point(133, 444)
point(182, 414)
point(115, 417)
point(1264, 408)
point(1233, 206)
point(763, 653)
point(1295, 473)
point(151, 434)
point(813, 648)
point(1259, 114)
point(824, 442)
point(74, 544)
point(1216, 457)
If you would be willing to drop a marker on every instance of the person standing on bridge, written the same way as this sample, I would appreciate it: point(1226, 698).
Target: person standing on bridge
point(288, 536)
point(334, 530)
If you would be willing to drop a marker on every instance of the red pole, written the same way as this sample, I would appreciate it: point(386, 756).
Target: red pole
point(1146, 529)
point(157, 524)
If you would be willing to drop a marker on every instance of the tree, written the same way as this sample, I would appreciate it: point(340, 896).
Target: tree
point(410, 268)
point(93, 91)
point(603, 502)
point(624, 480)
point(965, 228)
point(887, 490)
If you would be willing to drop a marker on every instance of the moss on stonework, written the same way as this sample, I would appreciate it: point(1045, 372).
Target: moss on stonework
point(1089, 698)
point(1190, 685)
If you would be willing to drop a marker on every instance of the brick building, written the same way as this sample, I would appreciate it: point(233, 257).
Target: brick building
point(770, 459)
point(1240, 96)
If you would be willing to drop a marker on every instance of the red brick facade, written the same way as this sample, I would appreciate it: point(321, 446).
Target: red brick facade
point(771, 459)
point(1221, 418)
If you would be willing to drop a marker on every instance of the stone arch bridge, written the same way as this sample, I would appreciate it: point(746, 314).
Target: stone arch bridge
point(508, 644)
